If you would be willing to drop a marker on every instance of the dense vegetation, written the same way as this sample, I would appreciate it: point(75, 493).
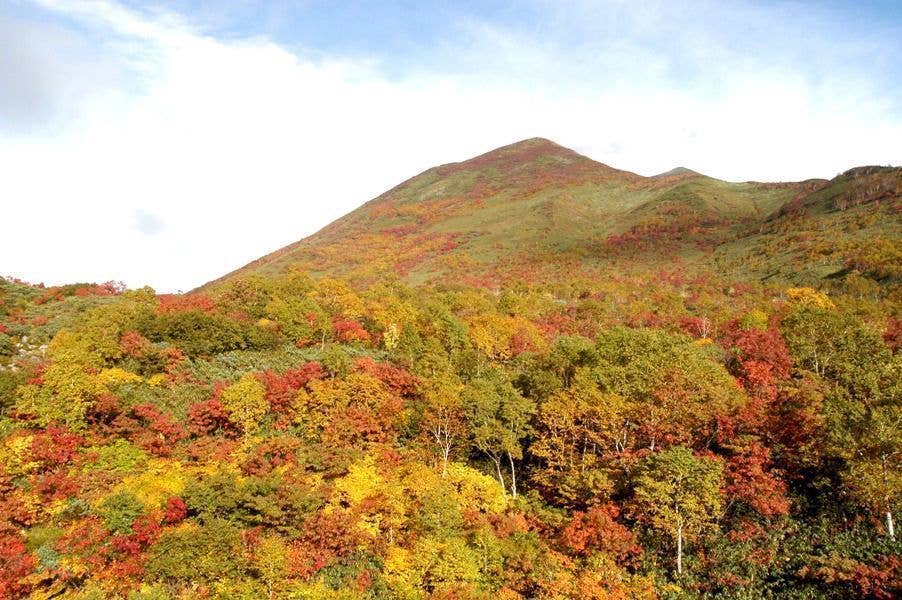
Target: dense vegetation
point(291, 437)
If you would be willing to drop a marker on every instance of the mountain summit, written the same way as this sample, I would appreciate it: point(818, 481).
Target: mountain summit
point(533, 209)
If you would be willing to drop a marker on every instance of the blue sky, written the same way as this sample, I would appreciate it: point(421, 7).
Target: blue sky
point(196, 136)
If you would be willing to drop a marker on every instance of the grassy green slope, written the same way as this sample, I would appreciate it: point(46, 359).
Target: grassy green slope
point(534, 208)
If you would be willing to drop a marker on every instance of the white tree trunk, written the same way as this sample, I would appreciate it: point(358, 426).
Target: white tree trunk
point(680, 550)
point(497, 461)
point(889, 526)
point(513, 475)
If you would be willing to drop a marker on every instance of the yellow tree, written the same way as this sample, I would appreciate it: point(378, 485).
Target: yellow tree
point(68, 387)
point(444, 418)
point(245, 401)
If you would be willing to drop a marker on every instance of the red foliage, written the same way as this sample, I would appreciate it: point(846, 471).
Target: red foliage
point(521, 342)
point(746, 530)
point(209, 417)
point(360, 424)
point(184, 303)
point(104, 411)
point(892, 335)
point(646, 319)
point(326, 539)
point(174, 358)
point(175, 511)
point(270, 454)
point(86, 539)
point(697, 327)
point(681, 224)
point(158, 430)
point(506, 525)
point(281, 389)
point(762, 346)
point(207, 449)
point(401, 230)
point(15, 563)
point(759, 361)
point(147, 528)
point(134, 344)
point(55, 446)
point(348, 331)
point(867, 581)
point(55, 294)
point(125, 554)
point(37, 375)
point(364, 422)
point(750, 479)
point(56, 485)
point(598, 530)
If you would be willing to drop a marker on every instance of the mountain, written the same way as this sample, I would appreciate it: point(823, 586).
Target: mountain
point(534, 209)
point(311, 437)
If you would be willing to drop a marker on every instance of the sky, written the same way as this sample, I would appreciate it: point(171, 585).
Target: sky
point(167, 143)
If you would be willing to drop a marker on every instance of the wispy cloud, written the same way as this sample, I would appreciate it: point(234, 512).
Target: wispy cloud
point(240, 144)
point(148, 223)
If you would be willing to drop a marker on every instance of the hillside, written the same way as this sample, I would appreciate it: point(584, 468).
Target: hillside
point(533, 209)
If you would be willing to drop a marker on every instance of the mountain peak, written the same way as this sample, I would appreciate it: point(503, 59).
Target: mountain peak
point(518, 153)
point(678, 172)
point(534, 143)
point(534, 158)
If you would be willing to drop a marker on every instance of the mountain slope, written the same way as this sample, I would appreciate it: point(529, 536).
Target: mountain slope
point(535, 209)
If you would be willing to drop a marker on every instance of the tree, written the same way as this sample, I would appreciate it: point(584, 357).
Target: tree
point(246, 402)
point(270, 562)
point(581, 430)
point(444, 419)
point(500, 419)
point(861, 407)
point(67, 387)
point(353, 412)
point(679, 494)
point(865, 428)
point(819, 337)
point(676, 388)
point(301, 319)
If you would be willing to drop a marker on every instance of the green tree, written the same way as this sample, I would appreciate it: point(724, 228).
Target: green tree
point(581, 431)
point(500, 418)
point(679, 493)
point(861, 408)
point(864, 427)
point(270, 563)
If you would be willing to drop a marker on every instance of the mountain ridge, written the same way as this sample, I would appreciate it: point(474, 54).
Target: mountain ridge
point(535, 204)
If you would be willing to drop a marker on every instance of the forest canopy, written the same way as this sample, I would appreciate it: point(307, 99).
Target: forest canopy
point(305, 437)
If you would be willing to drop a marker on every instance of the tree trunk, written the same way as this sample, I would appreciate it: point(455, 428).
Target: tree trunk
point(890, 531)
point(445, 451)
point(497, 461)
point(513, 475)
point(680, 550)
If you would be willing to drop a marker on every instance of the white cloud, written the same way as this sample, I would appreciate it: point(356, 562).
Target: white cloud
point(227, 149)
